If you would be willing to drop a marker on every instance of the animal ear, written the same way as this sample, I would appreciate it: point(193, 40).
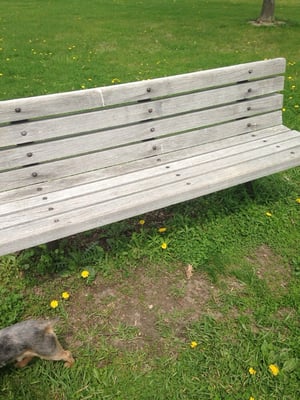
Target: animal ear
point(49, 328)
point(50, 325)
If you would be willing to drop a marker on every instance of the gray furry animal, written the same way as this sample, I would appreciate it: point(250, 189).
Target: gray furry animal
point(32, 338)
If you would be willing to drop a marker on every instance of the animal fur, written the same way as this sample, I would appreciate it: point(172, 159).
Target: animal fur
point(33, 338)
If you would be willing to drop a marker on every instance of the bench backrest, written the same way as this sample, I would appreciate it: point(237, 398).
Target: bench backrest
point(61, 136)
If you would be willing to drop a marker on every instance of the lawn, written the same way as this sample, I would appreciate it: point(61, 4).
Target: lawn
point(196, 301)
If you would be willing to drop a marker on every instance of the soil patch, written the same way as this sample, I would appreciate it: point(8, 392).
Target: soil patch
point(271, 269)
point(140, 310)
point(153, 307)
point(261, 23)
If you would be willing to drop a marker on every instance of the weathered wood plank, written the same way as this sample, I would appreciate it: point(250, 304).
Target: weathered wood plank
point(36, 153)
point(39, 174)
point(258, 126)
point(28, 235)
point(23, 211)
point(72, 125)
point(130, 92)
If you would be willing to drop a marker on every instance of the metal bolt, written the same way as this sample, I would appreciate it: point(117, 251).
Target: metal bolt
point(150, 110)
point(148, 89)
point(29, 154)
point(250, 71)
point(152, 129)
point(56, 220)
point(249, 90)
point(50, 209)
point(248, 108)
point(23, 133)
point(154, 147)
point(249, 125)
point(34, 174)
point(18, 110)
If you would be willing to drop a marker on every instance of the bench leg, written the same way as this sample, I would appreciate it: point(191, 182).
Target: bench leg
point(53, 245)
point(249, 189)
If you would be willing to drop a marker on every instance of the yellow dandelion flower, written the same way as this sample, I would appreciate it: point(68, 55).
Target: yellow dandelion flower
point(268, 214)
point(298, 200)
point(164, 245)
point(85, 274)
point(54, 304)
point(252, 371)
point(273, 368)
point(296, 105)
point(283, 109)
point(65, 295)
point(193, 344)
point(141, 221)
point(115, 80)
point(251, 398)
point(162, 230)
point(293, 87)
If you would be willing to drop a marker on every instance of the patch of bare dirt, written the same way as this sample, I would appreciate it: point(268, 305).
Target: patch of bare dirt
point(271, 269)
point(153, 307)
point(266, 23)
point(139, 310)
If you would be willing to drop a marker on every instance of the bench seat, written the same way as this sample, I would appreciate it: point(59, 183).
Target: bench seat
point(75, 161)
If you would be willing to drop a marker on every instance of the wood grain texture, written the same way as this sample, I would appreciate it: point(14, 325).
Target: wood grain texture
point(77, 101)
point(29, 186)
point(54, 128)
point(119, 186)
point(54, 227)
point(84, 144)
point(88, 158)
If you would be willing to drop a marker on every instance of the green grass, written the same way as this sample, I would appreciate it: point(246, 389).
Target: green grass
point(131, 322)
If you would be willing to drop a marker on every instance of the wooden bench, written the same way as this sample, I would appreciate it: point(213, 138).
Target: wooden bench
point(74, 161)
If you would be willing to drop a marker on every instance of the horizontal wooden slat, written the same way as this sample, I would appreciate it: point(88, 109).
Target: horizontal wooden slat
point(58, 169)
point(36, 153)
point(160, 175)
point(73, 125)
point(94, 98)
point(190, 139)
point(200, 80)
point(95, 215)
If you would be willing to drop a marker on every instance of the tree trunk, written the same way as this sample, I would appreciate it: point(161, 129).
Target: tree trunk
point(267, 12)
